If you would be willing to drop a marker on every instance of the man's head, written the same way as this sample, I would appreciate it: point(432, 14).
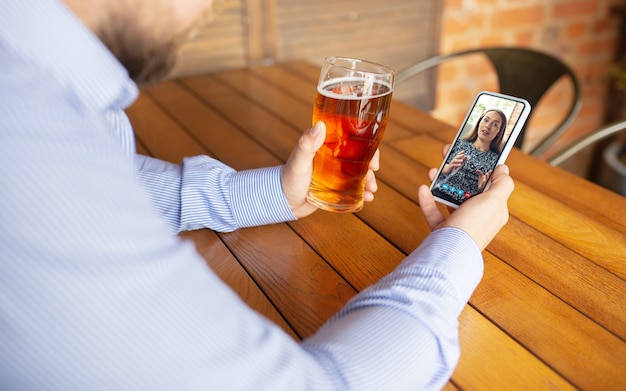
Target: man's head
point(144, 35)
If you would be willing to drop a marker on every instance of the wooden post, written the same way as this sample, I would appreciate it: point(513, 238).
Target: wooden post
point(261, 31)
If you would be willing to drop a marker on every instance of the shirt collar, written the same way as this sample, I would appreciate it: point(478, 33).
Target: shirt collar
point(48, 34)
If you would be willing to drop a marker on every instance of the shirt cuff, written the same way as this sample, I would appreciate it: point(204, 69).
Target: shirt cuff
point(258, 199)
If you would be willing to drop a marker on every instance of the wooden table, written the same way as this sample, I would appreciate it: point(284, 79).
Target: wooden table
point(550, 312)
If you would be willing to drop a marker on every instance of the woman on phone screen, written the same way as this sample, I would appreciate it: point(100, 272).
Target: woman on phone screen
point(474, 157)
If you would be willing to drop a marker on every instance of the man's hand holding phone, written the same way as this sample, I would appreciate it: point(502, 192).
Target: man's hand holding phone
point(481, 217)
point(483, 141)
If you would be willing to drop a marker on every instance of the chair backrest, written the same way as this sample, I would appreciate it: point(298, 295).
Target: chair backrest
point(592, 138)
point(522, 72)
point(610, 170)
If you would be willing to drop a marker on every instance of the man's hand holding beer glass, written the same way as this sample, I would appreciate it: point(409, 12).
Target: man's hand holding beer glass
point(296, 175)
point(352, 100)
point(335, 160)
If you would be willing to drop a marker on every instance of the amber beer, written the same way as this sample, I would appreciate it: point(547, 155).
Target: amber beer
point(355, 111)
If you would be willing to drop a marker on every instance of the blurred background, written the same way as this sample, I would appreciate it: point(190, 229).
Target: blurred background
point(588, 35)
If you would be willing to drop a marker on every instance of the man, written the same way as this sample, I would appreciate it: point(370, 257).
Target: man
point(97, 292)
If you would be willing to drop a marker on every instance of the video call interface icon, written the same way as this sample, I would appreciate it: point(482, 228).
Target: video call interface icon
point(453, 190)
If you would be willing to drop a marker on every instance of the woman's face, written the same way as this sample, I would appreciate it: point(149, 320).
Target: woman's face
point(489, 126)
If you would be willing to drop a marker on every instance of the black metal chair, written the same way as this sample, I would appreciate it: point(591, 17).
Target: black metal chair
point(522, 72)
point(610, 170)
point(592, 138)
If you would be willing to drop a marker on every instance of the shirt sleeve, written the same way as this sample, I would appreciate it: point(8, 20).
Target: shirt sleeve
point(402, 332)
point(204, 193)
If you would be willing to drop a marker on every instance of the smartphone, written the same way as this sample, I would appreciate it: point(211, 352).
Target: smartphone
point(483, 141)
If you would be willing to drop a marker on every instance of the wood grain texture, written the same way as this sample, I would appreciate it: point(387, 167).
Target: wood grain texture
point(247, 33)
point(548, 313)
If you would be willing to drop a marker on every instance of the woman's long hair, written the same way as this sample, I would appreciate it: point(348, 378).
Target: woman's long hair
point(496, 144)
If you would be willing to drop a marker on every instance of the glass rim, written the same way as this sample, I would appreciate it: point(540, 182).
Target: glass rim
point(376, 68)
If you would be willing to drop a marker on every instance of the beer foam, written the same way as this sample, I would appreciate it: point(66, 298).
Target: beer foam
point(352, 87)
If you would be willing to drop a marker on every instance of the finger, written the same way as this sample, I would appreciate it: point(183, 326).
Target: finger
point(445, 149)
point(371, 186)
point(500, 172)
point(429, 208)
point(432, 173)
point(375, 162)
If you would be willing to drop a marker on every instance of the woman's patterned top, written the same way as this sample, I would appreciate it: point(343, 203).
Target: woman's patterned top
point(463, 183)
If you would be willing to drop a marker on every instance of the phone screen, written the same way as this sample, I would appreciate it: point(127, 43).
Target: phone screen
point(483, 141)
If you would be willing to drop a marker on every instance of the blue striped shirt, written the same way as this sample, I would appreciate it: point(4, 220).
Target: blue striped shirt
point(97, 293)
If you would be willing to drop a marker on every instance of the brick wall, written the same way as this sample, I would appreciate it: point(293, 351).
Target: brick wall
point(584, 33)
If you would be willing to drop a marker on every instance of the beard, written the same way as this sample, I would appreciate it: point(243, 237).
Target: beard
point(147, 57)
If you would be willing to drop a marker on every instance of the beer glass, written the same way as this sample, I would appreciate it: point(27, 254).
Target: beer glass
point(353, 98)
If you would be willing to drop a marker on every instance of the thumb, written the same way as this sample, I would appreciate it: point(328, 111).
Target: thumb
point(434, 218)
point(302, 156)
point(313, 140)
point(501, 182)
point(296, 174)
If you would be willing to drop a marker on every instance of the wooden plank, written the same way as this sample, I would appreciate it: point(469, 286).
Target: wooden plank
point(396, 217)
point(274, 95)
point(226, 266)
point(270, 131)
point(434, 154)
point(304, 88)
point(304, 288)
point(141, 148)
point(596, 202)
point(571, 343)
point(159, 133)
point(409, 92)
point(418, 122)
point(226, 46)
point(449, 386)
point(592, 290)
point(356, 251)
point(481, 342)
point(307, 70)
point(587, 236)
point(229, 144)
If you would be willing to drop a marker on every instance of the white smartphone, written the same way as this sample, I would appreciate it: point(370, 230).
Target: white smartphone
point(483, 141)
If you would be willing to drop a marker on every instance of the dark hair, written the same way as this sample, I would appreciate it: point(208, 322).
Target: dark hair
point(496, 143)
